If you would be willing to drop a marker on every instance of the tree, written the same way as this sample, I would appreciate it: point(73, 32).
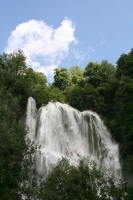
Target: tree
point(35, 85)
point(125, 65)
point(13, 94)
point(15, 61)
point(55, 94)
point(61, 78)
point(12, 73)
point(102, 77)
point(76, 74)
point(97, 74)
point(18, 174)
point(91, 74)
point(29, 178)
point(84, 98)
point(124, 115)
point(12, 68)
point(85, 181)
point(13, 146)
point(76, 96)
point(35, 77)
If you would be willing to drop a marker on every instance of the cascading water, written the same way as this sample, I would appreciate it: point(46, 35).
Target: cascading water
point(61, 131)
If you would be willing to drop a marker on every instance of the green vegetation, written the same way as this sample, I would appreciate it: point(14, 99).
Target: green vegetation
point(82, 183)
point(99, 87)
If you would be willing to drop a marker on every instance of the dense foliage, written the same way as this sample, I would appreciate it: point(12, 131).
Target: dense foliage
point(13, 98)
point(12, 146)
point(99, 87)
point(84, 182)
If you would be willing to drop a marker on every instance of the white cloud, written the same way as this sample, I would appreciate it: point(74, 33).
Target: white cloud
point(44, 46)
point(103, 41)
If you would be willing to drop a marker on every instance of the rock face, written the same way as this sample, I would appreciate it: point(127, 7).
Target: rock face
point(61, 131)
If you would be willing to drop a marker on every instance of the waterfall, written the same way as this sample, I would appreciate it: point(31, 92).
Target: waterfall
point(62, 131)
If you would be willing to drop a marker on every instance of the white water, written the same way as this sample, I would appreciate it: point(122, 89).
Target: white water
point(62, 131)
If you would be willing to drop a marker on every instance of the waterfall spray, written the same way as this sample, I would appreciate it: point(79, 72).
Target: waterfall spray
point(62, 131)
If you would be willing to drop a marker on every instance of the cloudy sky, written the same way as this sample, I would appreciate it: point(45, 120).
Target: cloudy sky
point(64, 33)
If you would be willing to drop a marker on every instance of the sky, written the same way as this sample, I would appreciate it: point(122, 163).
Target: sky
point(65, 33)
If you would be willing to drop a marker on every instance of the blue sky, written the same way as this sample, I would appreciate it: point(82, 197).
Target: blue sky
point(64, 33)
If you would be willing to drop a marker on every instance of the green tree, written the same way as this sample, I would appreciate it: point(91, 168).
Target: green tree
point(18, 173)
point(127, 166)
point(97, 74)
point(84, 98)
point(91, 74)
point(75, 96)
point(125, 65)
point(35, 77)
point(15, 61)
point(14, 91)
point(13, 146)
point(77, 75)
point(55, 94)
point(102, 77)
point(61, 78)
point(124, 115)
point(12, 74)
point(12, 69)
point(29, 178)
point(35, 85)
point(86, 181)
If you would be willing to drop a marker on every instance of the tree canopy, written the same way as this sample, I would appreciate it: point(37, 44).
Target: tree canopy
point(125, 65)
point(97, 74)
point(61, 78)
point(77, 75)
point(81, 182)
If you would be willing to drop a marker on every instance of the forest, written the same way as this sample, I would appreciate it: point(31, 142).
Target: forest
point(100, 87)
